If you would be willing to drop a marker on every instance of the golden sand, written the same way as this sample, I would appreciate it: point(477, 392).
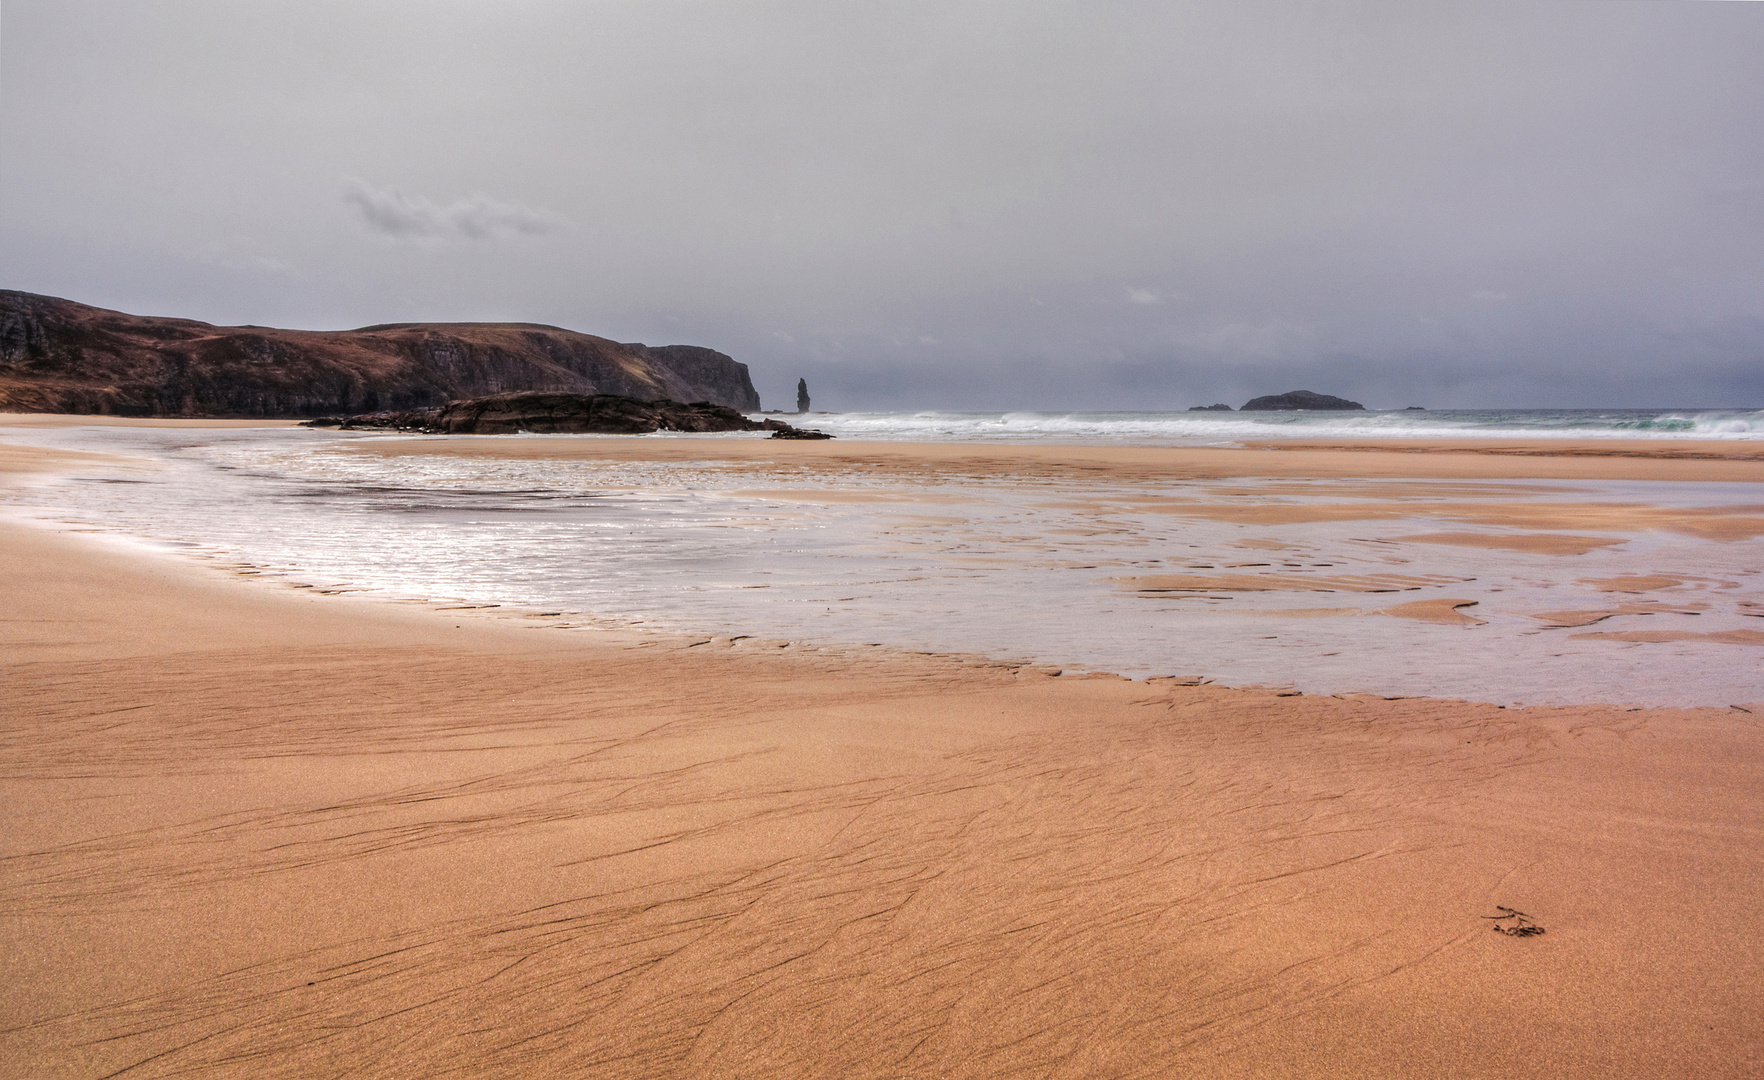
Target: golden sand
point(250, 831)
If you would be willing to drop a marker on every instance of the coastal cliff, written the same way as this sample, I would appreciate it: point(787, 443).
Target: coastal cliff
point(60, 356)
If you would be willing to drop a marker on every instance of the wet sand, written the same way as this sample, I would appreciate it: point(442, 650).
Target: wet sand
point(251, 831)
point(1551, 459)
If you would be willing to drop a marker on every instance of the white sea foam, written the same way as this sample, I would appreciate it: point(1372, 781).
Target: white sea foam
point(1209, 426)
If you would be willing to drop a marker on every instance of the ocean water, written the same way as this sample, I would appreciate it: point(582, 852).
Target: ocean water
point(1216, 427)
point(1036, 570)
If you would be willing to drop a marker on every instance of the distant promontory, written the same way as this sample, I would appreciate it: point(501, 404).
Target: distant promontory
point(1299, 399)
point(60, 356)
point(542, 412)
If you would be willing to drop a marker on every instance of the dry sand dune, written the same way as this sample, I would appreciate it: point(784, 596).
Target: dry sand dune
point(255, 832)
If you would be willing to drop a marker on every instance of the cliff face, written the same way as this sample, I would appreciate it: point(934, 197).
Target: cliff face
point(60, 356)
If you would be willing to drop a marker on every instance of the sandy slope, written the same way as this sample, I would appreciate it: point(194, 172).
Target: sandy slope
point(252, 832)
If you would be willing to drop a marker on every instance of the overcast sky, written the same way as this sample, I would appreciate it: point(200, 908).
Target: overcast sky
point(937, 205)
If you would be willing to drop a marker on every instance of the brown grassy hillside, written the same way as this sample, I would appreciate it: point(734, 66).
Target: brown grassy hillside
point(60, 356)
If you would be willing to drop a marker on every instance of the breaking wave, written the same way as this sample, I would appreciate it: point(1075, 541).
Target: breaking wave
point(1732, 424)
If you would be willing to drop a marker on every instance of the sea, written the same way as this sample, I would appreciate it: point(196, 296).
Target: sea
point(1209, 427)
point(1046, 571)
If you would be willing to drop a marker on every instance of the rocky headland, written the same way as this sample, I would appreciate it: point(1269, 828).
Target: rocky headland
point(60, 356)
point(548, 413)
point(1294, 400)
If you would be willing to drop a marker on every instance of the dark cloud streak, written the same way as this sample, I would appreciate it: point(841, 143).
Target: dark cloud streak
point(393, 214)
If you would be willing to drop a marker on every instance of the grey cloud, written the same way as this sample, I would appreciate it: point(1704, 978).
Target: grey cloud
point(392, 213)
point(928, 204)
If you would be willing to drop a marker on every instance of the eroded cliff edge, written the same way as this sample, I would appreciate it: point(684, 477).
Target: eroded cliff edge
point(61, 356)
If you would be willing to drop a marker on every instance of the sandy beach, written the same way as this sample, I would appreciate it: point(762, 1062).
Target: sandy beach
point(1439, 459)
point(253, 831)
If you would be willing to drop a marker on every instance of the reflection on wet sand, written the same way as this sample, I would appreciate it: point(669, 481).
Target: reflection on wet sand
point(1141, 561)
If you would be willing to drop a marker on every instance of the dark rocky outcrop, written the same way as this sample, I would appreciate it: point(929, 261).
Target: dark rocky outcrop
point(547, 413)
point(785, 431)
point(608, 414)
point(422, 420)
point(61, 356)
point(1299, 399)
point(1220, 407)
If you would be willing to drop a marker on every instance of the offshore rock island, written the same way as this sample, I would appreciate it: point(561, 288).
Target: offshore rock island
point(61, 356)
point(1297, 400)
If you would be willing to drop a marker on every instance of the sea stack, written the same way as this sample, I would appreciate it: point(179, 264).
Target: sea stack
point(802, 398)
point(1294, 400)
